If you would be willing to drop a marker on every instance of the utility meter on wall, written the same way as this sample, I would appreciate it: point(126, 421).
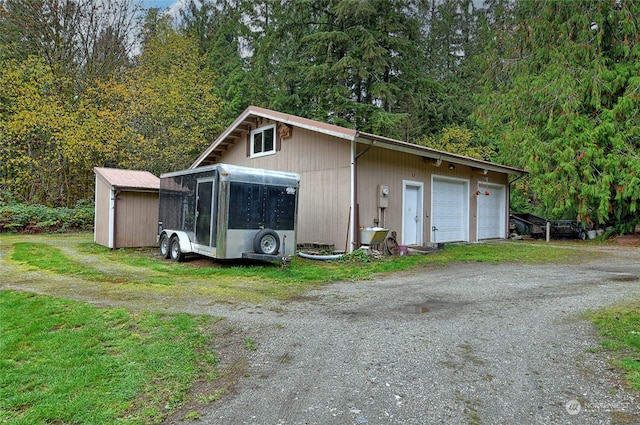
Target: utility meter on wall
point(383, 196)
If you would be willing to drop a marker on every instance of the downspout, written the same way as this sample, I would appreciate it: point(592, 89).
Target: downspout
point(110, 226)
point(354, 197)
point(355, 223)
point(115, 219)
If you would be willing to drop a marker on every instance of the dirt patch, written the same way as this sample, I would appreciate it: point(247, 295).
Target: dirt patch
point(429, 305)
point(231, 352)
point(632, 239)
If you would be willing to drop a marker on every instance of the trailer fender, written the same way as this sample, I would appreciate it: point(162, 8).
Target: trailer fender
point(185, 242)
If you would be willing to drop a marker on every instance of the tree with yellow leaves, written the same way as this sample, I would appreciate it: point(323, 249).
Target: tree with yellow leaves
point(167, 100)
point(458, 140)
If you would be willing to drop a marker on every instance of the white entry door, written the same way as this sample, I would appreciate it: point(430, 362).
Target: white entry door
point(449, 210)
point(492, 212)
point(412, 195)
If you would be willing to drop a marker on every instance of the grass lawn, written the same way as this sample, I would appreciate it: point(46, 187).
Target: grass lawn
point(619, 329)
point(66, 361)
point(239, 282)
point(130, 272)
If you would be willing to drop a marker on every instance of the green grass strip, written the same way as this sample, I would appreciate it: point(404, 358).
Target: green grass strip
point(47, 257)
point(302, 270)
point(254, 283)
point(68, 362)
point(619, 329)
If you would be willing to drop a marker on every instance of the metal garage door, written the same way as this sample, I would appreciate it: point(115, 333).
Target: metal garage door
point(491, 212)
point(449, 210)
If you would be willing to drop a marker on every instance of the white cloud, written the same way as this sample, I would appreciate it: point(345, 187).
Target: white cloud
point(173, 9)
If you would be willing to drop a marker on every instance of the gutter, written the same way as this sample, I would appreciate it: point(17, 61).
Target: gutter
point(435, 154)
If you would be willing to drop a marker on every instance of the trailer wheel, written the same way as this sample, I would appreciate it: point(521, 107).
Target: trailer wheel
point(164, 245)
point(266, 242)
point(175, 252)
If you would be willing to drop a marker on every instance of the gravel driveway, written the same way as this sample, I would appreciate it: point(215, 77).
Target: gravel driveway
point(465, 344)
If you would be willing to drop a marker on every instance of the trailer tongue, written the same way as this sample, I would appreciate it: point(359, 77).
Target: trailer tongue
point(227, 212)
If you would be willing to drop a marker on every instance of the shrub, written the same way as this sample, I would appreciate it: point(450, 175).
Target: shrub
point(40, 218)
point(357, 256)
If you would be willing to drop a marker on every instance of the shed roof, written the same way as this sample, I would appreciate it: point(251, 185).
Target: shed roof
point(128, 179)
point(250, 116)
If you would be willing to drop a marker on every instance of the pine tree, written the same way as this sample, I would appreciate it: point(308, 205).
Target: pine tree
point(561, 99)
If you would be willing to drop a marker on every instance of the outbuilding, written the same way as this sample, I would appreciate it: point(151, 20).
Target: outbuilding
point(126, 208)
point(351, 180)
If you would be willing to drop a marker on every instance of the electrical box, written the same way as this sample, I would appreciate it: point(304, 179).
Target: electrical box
point(383, 196)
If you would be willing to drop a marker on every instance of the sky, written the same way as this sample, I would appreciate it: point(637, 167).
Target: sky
point(172, 5)
point(160, 4)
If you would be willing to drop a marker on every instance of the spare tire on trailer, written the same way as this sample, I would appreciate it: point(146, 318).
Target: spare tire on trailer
point(266, 242)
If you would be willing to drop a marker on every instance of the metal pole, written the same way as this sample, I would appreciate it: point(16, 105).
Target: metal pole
point(548, 231)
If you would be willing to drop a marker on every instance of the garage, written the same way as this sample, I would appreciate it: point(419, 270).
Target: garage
point(491, 211)
point(449, 209)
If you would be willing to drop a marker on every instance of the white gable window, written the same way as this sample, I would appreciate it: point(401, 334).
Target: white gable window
point(263, 141)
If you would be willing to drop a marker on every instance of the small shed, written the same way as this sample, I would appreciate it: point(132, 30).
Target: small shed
point(126, 208)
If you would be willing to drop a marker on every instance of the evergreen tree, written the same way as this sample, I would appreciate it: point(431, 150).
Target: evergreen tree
point(445, 72)
point(561, 99)
point(356, 56)
point(359, 63)
point(224, 38)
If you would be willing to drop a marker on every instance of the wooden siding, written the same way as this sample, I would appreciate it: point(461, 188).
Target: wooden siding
point(323, 163)
point(389, 168)
point(101, 220)
point(136, 219)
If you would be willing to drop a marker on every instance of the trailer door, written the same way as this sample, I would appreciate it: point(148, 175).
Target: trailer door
point(204, 212)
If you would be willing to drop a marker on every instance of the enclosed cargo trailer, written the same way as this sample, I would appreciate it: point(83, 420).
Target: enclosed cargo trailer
point(226, 211)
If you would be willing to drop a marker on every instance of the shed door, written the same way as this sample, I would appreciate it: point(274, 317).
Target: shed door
point(136, 219)
point(449, 210)
point(412, 213)
point(204, 209)
point(491, 212)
